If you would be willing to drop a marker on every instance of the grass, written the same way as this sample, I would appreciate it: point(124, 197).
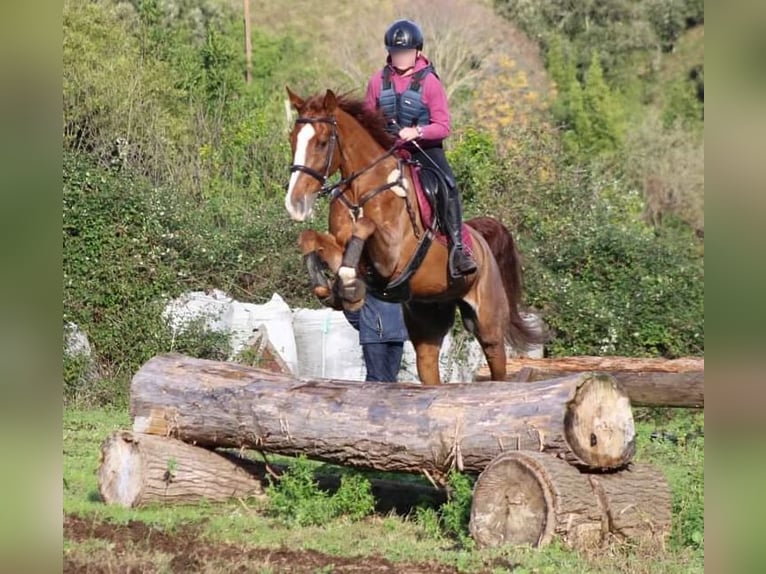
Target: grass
point(247, 525)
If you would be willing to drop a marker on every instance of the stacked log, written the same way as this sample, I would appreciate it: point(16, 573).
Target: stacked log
point(585, 419)
point(142, 469)
point(532, 498)
point(648, 382)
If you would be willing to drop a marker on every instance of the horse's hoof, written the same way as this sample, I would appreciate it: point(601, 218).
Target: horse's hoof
point(322, 292)
point(353, 291)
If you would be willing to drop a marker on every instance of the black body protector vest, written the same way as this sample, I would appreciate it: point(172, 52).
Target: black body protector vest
point(406, 108)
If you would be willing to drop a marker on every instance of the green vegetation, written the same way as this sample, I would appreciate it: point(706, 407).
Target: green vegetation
point(173, 181)
point(297, 499)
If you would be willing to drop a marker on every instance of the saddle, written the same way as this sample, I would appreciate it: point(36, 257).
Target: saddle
point(428, 183)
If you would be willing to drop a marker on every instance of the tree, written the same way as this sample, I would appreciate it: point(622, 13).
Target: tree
point(601, 109)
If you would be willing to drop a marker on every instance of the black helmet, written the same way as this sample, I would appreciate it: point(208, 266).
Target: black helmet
point(404, 35)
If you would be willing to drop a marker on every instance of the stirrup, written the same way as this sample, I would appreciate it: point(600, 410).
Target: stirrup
point(467, 267)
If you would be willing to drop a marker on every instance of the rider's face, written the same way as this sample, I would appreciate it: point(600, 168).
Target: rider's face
point(403, 59)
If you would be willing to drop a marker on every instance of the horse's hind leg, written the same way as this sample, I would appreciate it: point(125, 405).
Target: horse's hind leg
point(485, 314)
point(427, 324)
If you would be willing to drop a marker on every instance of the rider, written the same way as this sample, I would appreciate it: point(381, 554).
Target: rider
point(414, 102)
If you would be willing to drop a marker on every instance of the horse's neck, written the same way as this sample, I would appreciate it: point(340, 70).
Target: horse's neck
point(364, 151)
point(394, 238)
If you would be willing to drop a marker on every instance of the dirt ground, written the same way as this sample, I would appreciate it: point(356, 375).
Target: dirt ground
point(192, 553)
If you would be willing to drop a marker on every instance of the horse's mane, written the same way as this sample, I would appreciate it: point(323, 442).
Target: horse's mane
point(372, 121)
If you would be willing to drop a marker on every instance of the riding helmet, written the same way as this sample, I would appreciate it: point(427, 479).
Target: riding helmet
point(404, 35)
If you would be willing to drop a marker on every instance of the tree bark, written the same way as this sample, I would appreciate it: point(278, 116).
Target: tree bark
point(637, 502)
point(648, 382)
point(138, 469)
point(532, 498)
point(584, 418)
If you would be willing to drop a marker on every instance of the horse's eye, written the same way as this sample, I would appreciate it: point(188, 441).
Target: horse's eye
point(322, 144)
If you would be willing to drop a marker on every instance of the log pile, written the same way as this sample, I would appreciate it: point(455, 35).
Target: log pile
point(553, 456)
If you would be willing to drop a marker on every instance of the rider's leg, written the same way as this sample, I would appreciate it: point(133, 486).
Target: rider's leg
point(451, 215)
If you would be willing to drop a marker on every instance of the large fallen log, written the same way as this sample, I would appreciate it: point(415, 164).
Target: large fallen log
point(532, 498)
point(585, 419)
point(648, 382)
point(139, 469)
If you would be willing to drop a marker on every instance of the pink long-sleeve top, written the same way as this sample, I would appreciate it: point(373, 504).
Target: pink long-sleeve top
point(432, 93)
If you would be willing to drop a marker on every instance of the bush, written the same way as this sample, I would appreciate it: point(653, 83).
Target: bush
point(129, 247)
point(119, 107)
point(667, 163)
point(473, 157)
point(451, 519)
point(676, 441)
point(606, 283)
point(296, 498)
point(605, 280)
point(456, 513)
point(186, 117)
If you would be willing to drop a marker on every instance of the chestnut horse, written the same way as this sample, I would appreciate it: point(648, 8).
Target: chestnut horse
point(376, 229)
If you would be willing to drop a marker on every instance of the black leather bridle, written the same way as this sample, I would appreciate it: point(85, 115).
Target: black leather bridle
point(321, 177)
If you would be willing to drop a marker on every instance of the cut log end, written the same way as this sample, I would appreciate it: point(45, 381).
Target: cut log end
point(528, 498)
point(138, 469)
point(532, 498)
point(510, 506)
point(598, 424)
point(120, 476)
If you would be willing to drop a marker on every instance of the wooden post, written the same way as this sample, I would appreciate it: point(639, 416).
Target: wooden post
point(248, 45)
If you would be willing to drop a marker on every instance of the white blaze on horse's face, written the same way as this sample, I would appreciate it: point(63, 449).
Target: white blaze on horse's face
point(300, 207)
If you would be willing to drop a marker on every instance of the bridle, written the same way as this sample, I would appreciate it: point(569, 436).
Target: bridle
point(322, 178)
point(337, 190)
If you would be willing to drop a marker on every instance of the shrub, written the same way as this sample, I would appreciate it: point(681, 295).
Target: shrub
point(129, 247)
point(456, 513)
point(296, 498)
point(605, 280)
point(451, 518)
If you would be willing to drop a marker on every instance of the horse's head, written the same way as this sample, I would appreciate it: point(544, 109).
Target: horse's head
point(314, 141)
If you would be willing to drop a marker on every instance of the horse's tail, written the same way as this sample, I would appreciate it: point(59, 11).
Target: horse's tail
point(503, 248)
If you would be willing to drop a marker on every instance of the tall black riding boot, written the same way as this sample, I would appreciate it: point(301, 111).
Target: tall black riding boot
point(460, 263)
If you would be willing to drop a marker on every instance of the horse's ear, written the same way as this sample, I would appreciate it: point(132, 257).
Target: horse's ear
point(330, 101)
point(295, 99)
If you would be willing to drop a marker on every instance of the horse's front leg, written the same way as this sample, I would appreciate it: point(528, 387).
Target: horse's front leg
point(351, 288)
point(322, 256)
